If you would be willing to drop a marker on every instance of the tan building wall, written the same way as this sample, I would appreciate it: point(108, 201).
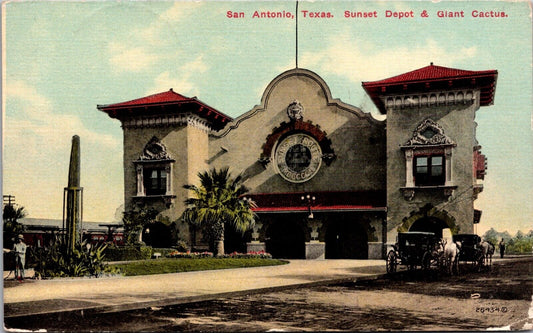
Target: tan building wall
point(187, 146)
point(356, 137)
point(457, 122)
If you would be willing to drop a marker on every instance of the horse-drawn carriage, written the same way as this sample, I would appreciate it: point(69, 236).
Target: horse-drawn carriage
point(474, 251)
point(415, 249)
point(429, 252)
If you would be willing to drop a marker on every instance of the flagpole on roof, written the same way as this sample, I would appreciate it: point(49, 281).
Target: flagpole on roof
point(296, 34)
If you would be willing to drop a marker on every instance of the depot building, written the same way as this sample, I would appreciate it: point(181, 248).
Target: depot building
point(329, 180)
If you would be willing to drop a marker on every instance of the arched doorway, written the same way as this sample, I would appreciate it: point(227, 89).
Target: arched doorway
point(285, 239)
point(157, 235)
point(429, 224)
point(346, 240)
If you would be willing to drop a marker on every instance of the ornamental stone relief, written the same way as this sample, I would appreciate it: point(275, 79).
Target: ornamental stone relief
point(154, 150)
point(429, 132)
point(295, 110)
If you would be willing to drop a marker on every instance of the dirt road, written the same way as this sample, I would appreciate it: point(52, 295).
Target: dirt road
point(471, 301)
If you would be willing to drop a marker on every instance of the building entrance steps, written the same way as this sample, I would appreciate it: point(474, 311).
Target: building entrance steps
point(113, 294)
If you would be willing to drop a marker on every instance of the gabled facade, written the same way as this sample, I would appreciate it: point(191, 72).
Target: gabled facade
point(329, 180)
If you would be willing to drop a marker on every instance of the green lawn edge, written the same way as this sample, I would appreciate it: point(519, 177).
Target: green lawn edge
point(179, 265)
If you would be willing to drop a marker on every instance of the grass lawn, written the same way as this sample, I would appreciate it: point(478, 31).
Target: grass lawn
point(176, 265)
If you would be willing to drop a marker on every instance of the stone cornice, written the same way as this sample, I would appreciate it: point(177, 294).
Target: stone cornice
point(167, 120)
point(429, 99)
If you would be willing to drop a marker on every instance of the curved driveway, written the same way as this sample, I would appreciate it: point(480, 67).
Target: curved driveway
point(111, 294)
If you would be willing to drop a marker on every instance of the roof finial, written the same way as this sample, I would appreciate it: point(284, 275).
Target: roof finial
point(431, 63)
point(171, 90)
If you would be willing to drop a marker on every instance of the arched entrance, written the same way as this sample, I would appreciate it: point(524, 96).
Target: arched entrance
point(285, 239)
point(429, 224)
point(346, 240)
point(430, 219)
point(157, 235)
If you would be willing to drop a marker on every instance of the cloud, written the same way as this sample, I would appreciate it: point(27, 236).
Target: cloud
point(37, 143)
point(124, 58)
point(350, 58)
point(144, 50)
point(180, 10)
point(181, 80)
point(34, 116)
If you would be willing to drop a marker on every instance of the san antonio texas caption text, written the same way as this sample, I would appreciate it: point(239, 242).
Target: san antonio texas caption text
point(368, 14)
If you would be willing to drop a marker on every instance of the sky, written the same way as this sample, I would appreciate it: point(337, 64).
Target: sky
point(61, 59)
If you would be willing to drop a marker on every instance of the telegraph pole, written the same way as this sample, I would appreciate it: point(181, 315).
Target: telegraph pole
point(9, 200)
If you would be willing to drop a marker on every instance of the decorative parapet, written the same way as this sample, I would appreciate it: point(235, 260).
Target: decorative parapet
point(429, 99)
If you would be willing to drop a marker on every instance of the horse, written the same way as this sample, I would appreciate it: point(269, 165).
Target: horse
point(451, 256)
point(487, 250)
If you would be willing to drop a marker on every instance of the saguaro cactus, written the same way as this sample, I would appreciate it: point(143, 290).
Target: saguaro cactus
point(74, 196)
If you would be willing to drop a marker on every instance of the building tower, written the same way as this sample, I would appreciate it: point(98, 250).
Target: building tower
point(165, 147)
point(433, 157)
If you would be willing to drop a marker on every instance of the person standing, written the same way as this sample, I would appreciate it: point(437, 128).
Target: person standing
point(502, 248)
point(19, 249)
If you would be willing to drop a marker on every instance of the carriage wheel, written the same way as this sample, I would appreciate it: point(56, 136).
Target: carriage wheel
point(427, 259)
point(391, 262)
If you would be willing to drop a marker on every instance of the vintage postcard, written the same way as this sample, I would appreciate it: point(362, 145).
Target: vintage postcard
point(267, 165)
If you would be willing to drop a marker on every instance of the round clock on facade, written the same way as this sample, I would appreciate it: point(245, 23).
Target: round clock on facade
point(298, 158)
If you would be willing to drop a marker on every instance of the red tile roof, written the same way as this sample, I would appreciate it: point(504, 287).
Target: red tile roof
point(430, 73)
point(168, 102)
point(433, 78)
point(164, 97)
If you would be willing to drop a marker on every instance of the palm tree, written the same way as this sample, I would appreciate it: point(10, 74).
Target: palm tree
point(12, 227)
point(218, 202)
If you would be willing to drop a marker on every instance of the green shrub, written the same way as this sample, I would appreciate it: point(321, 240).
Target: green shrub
point(249, 255)
point(234, 255)
point(125, 253)
point(146, 252)
point(171, 265)
point(190, 255)
point(53, 261)
point(164, 251)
